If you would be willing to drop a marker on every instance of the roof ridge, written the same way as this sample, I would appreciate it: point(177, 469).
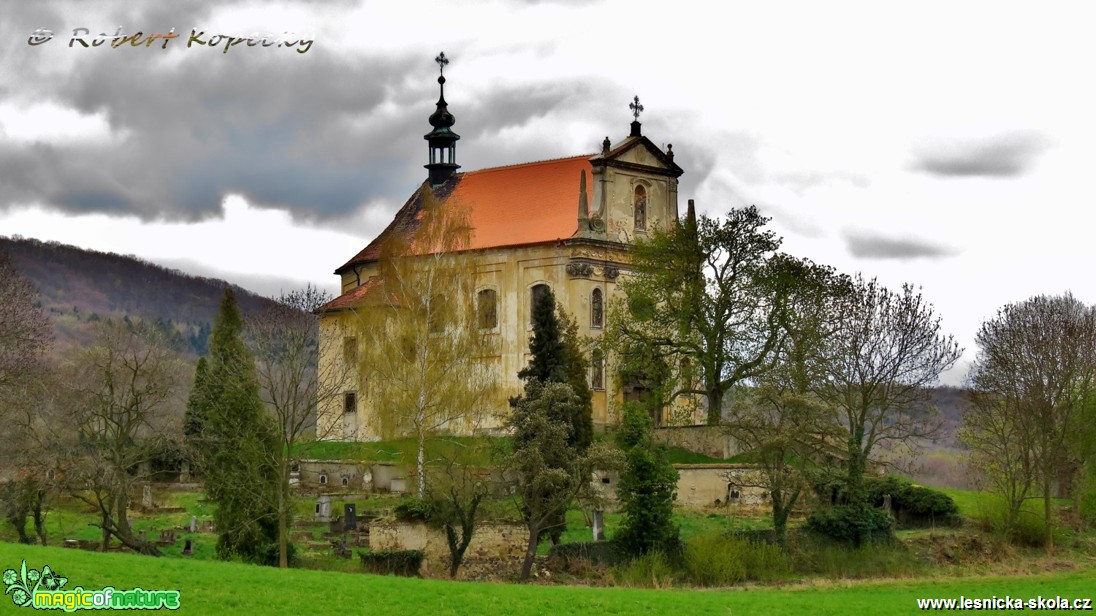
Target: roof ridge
point(528, 164)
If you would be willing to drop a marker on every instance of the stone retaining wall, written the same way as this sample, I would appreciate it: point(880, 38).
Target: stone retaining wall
point(495, 549)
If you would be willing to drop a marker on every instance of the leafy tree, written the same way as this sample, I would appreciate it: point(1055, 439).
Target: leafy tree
point(237, 445)
point(780, 420)
point(294, 384)
point(647, 486)
point(885, 352)
point(425, 363)
point(455, 492)
point(1033, 382)
point(702, 293)
point(550, 473)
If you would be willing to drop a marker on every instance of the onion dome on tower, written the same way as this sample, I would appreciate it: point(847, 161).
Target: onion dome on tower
point(442, 141)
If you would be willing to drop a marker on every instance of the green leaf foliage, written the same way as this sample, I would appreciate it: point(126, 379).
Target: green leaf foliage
point(852, 524)
point(647, 487)
point(238, 445)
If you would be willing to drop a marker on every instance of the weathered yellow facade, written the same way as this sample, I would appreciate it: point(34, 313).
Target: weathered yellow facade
point(566, 224)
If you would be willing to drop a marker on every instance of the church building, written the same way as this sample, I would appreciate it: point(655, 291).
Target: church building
point(563, 224)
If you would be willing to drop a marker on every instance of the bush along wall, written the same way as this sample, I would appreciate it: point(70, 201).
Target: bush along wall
point(401, 562)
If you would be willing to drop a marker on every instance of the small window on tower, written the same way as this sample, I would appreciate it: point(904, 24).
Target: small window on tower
point(350, 402)
point(640, 203)
point(597, 308)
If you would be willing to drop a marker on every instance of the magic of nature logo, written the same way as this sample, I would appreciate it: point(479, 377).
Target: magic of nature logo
point(44, 590)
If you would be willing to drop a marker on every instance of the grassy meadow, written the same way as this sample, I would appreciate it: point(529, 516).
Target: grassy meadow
point(225, 588)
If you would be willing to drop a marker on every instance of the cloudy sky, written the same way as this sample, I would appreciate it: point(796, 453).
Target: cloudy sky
point(940, 143)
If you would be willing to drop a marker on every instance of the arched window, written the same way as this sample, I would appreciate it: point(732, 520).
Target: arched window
point(597, 369)
point(597, 308)
point(487, 309)
point(534, 295)
point(639, 201)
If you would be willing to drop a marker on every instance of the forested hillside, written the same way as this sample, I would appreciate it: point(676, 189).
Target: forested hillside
point(80, 286)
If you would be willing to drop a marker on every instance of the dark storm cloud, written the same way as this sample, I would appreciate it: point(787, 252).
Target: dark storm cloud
point(867, 245)
point(318, 134)
point(1007, 155)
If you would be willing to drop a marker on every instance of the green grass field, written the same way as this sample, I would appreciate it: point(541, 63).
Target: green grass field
point(227, 588)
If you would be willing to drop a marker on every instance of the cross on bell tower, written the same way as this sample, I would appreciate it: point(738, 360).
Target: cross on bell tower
point(442, 141)
point(636, 110)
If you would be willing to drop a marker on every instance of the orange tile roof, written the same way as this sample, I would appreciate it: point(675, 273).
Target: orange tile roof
point(530, 203)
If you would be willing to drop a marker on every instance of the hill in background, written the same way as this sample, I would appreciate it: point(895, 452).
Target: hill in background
point(80, 286)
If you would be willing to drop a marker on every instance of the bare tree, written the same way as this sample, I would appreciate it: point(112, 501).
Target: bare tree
point(25, 336)
point(1035, 375)
point(125, 402)
point(284, 339)
point(25, 331)
point(887, 349)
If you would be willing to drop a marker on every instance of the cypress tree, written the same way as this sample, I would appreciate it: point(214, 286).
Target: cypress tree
point(546, 345)
point(647, 486)
point(238, 444)
point(557, 358)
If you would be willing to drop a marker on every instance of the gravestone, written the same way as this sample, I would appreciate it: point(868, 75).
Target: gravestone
point(599, 525)
point(146, 497)
point(184, 476)
point(188, 547)
point(350, 517)
point(167, 536)
point(193, 524)
point(399, 485)
point(887, 504)
point(323, 509)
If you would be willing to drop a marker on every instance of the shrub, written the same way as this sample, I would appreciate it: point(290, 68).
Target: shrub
point(652, 570)
point(913, 504)
point(596, 553)
point(1029, 528)
point(850, 524)
point(815, 557)
point(401, 562)
point(720, 560)
point(646, 488)
point(1087, 496)
point(414, 510)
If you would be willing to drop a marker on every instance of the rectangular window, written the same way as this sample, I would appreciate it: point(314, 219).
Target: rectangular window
point(350, 402)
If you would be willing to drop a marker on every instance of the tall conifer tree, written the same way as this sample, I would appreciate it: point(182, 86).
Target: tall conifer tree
point(237, 444)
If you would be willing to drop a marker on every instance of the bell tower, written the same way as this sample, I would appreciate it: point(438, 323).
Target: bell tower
point(442, 141)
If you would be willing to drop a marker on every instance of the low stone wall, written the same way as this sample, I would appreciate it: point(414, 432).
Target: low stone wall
point(701, 485)
point(495, 549)
point(348, 474)
point(708, 440)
